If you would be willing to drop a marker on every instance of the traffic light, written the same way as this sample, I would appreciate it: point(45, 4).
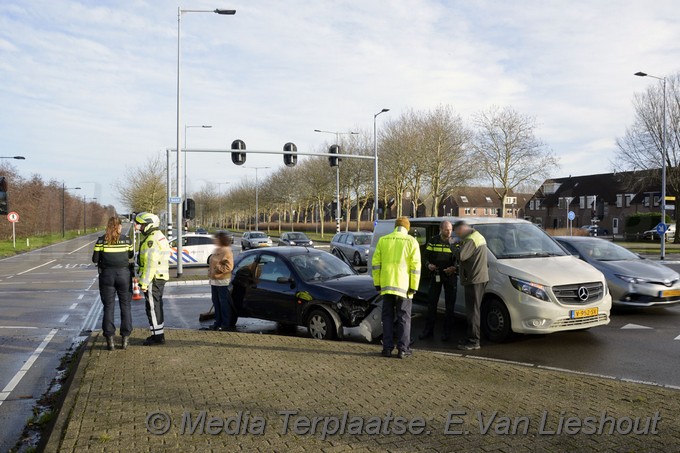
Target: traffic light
point(3, 196)
point(290, 159)
point(334, 161)
point(238, 158)
point(189, 209)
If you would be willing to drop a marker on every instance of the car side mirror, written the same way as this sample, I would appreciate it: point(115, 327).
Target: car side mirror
point(284, 280)
point(362, 270)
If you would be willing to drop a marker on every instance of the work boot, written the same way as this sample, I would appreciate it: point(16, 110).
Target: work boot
point(402, 354)
point(124, 342)
point(109, 343)
point(154, 340)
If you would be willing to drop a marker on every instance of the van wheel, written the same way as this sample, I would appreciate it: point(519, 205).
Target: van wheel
point(320, 325)
point(496, 321)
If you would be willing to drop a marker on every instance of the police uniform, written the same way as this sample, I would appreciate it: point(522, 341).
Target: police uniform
point(396, 273)
point(439, 252)
point(154, 272)
point(115, 275)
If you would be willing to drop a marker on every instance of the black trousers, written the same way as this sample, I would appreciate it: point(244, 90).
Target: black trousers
point(114, 282)
point(399, 308)
point(450, 285)
point(473, 301)
point(154, 306)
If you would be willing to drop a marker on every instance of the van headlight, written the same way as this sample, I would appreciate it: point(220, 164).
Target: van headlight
point(629, 279)
point(533, 289)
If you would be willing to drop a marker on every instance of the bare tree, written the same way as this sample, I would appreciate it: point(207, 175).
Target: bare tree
point(509, 152)
point(143, 187)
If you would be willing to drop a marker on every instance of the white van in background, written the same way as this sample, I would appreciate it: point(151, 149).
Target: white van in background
point(534, 287)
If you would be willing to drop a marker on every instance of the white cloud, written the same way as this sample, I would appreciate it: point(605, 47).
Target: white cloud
point(90, 88)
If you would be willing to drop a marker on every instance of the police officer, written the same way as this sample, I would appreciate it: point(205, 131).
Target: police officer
point(396, 274)
point(112, 255)
point(154, 253)
point(474, 275)
point(440, 261)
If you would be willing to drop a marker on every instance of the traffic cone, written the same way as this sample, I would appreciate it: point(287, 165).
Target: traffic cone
point(136, 292)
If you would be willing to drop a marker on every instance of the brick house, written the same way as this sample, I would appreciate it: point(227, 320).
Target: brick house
point(482, 202)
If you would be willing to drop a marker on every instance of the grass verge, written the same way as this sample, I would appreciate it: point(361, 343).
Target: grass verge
point(25, 244)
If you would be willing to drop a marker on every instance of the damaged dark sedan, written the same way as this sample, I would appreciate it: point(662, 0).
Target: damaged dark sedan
point(306, 287)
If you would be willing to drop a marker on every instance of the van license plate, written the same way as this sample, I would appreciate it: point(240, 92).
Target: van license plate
point(670, 293)
point(586, 312)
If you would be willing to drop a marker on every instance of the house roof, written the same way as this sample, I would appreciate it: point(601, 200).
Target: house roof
point(480, 197)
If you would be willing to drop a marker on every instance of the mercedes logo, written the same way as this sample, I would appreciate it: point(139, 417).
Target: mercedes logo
point(583, 293)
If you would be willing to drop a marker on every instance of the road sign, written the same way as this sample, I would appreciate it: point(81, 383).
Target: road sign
point(661, 228)
point(670, 207)
point(571, 215)
point(175, 200)
point(13, 217)
point(670, 198)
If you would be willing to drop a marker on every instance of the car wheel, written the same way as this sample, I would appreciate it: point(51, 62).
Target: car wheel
point(243, 246)
point(357, 259)
point(496, 321)
point(320, 325)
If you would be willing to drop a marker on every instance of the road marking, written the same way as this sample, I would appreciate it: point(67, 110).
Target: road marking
point(92, 315)
point(677, 338)
point(63, 319)
point(81, 297)
point(73, 306)
point(27, 366)
point(18, 327)
point(79, 248)
point(636, 326)
point(188, 296)
point(34, 268)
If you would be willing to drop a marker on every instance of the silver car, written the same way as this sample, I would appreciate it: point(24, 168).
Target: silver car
point(632, 280)
point(254, 240)
point(352, 246)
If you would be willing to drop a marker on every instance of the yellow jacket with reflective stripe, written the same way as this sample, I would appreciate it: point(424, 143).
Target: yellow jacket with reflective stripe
point(153, 259)
point(113, 256)
point(396, 263)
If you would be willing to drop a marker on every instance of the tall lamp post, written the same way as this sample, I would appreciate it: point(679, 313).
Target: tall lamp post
point(63, 206)
point(85, 200)
point(375, 166)
point(186, 192)
point(663, 161)
point(257, 198)
point(180, 11)
point(338, 212)
point(13, 157)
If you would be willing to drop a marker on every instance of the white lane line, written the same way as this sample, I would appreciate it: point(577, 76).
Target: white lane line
point(81, 297)
point(27, 366)
point(18, 327)
point(677, 338)
point(80, 248)
point(63, 319)
point(73, 306)
point(34, 268)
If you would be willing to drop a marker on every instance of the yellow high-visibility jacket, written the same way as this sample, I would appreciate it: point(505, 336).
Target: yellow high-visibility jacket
point(153, 259)
point(396, 263)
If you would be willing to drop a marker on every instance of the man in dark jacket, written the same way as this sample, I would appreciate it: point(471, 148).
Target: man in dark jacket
point(474, 275)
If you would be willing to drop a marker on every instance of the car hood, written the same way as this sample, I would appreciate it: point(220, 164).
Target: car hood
point(645, 269)
point(550, 271)
point(355, 286)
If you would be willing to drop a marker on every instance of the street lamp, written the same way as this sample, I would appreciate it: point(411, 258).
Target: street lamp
point(63, 206)
point(185, 154)
point(180, 11)
point(338, 214)
point(85, 199)
point(13, 157)
point(375, 166)
point(663, 162)
point(257, 199)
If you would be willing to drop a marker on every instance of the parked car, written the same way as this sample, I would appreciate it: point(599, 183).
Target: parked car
point(255, 239)
point(536, 287)
point(595, 230)
point(306, 287)
point(354, 246)
point(633, 281)
point(201, 231)
point(295, 239)
point(196, 248)
point(654, 235)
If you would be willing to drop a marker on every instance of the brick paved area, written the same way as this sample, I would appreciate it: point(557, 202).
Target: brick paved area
point(115, 395)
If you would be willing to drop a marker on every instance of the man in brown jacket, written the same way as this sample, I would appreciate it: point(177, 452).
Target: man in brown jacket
point(474, 275)
point(221, 263)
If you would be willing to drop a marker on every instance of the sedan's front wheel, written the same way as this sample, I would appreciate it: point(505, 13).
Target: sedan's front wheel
point(320, 325)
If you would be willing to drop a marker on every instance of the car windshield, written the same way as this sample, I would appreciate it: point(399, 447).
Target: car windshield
point(518, 240)
point(257, 235)
point(601, 250)
point(319, 266)
point(362, 239)
point(297, 237)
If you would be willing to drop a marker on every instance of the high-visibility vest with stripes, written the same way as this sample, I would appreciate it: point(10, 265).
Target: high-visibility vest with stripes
point(396, 263)
point(154, 256)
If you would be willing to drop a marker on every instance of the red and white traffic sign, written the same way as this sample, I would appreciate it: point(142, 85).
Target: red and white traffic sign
point(13, 217)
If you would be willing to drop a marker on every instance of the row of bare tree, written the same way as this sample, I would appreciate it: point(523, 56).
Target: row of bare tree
point(39, 205)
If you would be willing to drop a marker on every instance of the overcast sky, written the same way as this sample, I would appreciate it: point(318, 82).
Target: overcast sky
point(89, 87)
